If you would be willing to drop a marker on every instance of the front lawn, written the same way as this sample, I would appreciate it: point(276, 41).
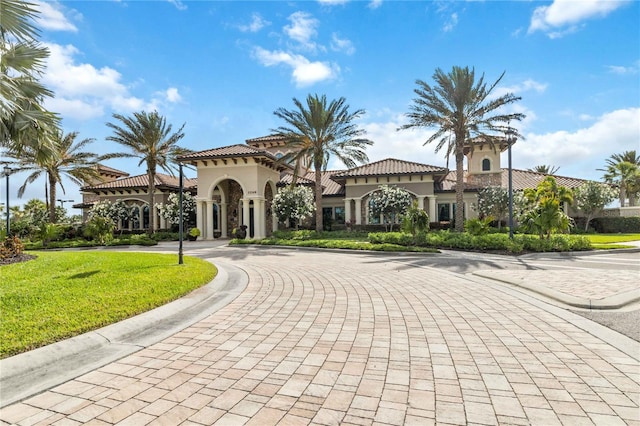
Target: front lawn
point(612, 238)
point(63, 294)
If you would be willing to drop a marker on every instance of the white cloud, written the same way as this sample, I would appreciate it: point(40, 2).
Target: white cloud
point(52, 18)
point(257, 23)
point(622, 70)
point(451, 23)
point(83, 91)
point(525, 86)
point(172, 95)
point(302, 29)
point(178, 4)
point(304, 72)
point(612, 132)
point(332, 2)
point(565, 16)
point(342, 45)
point(374, 4)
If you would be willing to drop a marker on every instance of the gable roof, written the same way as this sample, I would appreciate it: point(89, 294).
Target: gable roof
point(522, 179)
point(329, 186)
point(234, 152)
point(110, 171)
point(390, 167)
point(142, 181)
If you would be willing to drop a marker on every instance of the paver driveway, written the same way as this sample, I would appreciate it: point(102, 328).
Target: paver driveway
point(333, 338)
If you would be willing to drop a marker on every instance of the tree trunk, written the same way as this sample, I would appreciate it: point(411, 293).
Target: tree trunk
point(623, 195)
point(318, 191)
point(52, 198)
point(459, 216)
point(152, 189)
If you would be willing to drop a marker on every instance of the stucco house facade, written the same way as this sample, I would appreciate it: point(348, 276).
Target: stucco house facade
point(235, 186)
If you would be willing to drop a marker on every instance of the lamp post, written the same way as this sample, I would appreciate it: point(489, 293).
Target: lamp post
point(180, 217)
point(511, 139)
point(64, 201)
point(7, 172)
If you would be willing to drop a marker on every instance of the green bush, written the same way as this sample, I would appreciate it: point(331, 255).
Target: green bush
point(165, 236)
point(478, 226)
point(495, 242)
point(614, 225)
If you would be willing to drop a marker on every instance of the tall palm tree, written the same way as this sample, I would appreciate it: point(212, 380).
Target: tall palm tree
point(68, 158)
point(623, 170)
point(316, 132)
point(545, 169)
point(458, 106)
point(626, 176)
point(22, 62)
point(149, 138)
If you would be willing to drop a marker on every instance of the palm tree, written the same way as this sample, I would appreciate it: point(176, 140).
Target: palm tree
point(317, 132)
point(459, 106)
point(149, 138)
point(623, 170)
point(626, 176)
point(68, 158)
point(22, 62)
point(545, 169)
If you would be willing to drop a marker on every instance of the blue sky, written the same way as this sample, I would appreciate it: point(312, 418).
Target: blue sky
point(223, 67)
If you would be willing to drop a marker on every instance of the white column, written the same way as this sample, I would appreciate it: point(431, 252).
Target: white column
point(245, 213)
point(421, 202)
point(433, 214)
point(358, 211)
point(163, 223)
point(274, 221)
point(209, 220)
point(200, 216)
point(223, 220)
point(259, 214)
point(141, 217)
point(347, 209)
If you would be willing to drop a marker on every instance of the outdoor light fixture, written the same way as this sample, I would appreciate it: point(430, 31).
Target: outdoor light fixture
point(511, 139)
point(64, 201)
point(180, 217)
point(7, 171)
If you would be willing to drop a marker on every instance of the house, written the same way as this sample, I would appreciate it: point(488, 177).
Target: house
point(235, 186)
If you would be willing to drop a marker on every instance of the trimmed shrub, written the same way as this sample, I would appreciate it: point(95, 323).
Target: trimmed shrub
point(615, 225)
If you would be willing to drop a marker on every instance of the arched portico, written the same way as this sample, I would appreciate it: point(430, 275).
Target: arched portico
point(236, 185)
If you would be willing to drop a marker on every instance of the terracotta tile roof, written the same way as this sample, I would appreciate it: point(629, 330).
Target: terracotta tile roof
point(238, 150)
point(527, 179)
point(521, 179)
point(263, 139)
point(329, 186)
point(389, 167)
point(142, 181)
point(111, 170)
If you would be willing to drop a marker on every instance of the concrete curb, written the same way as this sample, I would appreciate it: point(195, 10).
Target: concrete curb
point(32, 372)
point(612, 302)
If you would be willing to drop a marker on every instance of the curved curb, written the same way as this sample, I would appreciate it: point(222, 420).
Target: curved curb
point(29, 373)
point(612, 302)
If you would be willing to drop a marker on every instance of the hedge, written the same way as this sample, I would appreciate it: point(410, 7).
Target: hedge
point(614, 225)
point(497, 242)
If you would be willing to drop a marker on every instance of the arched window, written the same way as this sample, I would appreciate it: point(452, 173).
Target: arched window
point(486, 165)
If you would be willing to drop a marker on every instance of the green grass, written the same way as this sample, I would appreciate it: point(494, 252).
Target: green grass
point(63, 294)
point(612, 238)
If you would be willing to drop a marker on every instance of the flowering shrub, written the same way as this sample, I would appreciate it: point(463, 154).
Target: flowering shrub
point(591, 197)
point(295, 203)
point(389, 201)
point(171, 210)
point(493, 201)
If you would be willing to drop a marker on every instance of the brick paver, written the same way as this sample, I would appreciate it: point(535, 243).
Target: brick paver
point(331, 338)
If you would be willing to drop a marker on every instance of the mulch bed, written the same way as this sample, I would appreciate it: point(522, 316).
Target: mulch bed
point(17, 259)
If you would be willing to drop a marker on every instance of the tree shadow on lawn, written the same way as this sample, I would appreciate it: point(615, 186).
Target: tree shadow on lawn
point(84, 275)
